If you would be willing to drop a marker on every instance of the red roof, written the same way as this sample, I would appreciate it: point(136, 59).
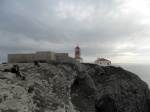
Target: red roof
point(102, 59)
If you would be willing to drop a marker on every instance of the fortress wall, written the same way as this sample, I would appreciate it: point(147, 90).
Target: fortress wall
point(30, 57)
point(44, 55)
point(53, 57)
point(72, 60)
point(41, 55)
point(61, 56)
point(12, 58)
point(17, 58)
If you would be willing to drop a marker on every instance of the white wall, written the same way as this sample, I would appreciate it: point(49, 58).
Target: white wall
point(104, 63)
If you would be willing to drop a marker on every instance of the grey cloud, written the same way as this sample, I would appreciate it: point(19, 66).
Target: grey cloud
point(41, 21)
point(30, 26)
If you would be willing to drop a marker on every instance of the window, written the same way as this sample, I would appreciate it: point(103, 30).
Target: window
point(107, 63)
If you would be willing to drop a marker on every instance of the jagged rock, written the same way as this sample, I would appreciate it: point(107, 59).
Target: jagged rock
point(41, 91)
point(121, 91)
point(36, 63)
point(64, 87)
point(6, 70)
point(106, 104)
point(89, 82)
point(117, 91)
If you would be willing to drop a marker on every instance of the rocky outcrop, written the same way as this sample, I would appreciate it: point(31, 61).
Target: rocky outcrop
point(46, 88)
point(65, 87)
point(118, 90)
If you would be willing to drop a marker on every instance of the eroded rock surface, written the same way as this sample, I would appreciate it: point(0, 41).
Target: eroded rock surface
point(117, 91)
point(46, 89)
point(62, 87)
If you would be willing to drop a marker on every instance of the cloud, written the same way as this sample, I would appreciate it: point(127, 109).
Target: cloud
point(101, 28)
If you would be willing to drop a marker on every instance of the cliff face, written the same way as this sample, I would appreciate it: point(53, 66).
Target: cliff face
point(62, 87)
point(117, 91)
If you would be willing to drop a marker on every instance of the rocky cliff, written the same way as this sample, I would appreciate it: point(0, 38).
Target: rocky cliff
point(63, 87)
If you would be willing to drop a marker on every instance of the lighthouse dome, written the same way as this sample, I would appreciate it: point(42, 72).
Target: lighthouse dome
point(77, 49)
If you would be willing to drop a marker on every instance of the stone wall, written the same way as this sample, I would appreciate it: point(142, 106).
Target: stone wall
point(61, 56)
point(41, 55)
point(30, 57)
point(45, 55)
point(53, 57)
point(14, 58)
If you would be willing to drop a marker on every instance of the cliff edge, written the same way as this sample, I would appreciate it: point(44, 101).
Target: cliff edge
point(62, 87)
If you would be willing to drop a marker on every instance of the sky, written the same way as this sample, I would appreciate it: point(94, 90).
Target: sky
point(118, 30)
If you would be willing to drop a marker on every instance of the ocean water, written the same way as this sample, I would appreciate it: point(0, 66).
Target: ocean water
point(142, 70)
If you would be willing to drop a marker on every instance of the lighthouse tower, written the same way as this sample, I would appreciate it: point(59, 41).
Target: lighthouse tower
point(78, 54)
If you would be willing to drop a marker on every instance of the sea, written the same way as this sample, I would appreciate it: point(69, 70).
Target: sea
point(142, 70)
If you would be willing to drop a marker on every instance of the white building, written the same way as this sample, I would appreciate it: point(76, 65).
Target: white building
point(103, 62)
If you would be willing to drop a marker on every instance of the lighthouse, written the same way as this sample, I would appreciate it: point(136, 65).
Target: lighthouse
point(78, 54)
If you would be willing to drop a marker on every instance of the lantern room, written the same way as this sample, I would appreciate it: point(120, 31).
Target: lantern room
point(77, 50)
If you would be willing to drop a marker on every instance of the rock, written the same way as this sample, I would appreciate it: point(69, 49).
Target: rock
point(117, 91)
point(89, 82)
point(4, 62)
point(6, 70)
point(121, 91)
point(63, 87)
point(36, 63)
point(106, 104)
point(41, 91)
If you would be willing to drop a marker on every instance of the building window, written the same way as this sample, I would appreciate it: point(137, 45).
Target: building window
point(107, 63)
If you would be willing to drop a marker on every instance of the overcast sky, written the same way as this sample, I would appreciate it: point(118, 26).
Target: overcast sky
point(118, 30)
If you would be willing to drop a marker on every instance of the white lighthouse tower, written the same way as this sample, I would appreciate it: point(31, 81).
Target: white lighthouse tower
point(78, 54)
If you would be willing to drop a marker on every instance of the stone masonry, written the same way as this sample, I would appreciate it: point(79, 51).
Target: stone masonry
point(42, 55)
